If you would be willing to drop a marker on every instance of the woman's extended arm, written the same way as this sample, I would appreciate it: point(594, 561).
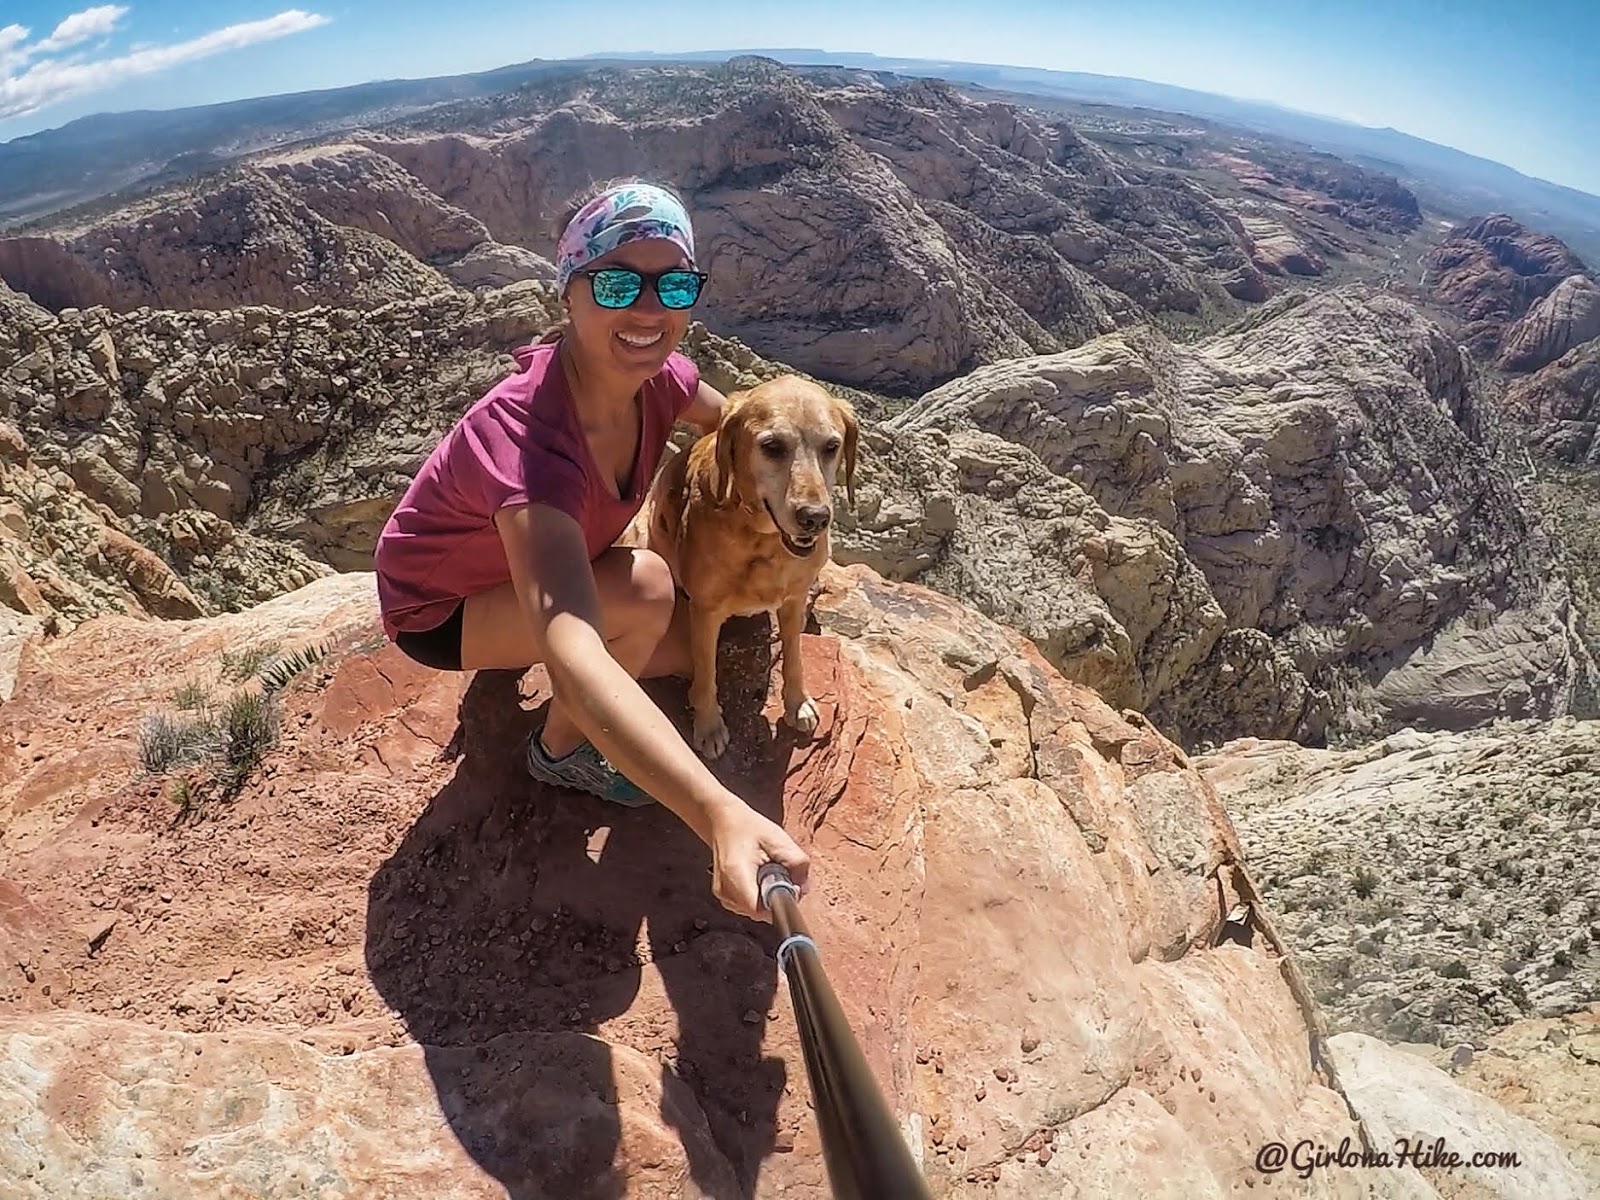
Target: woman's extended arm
point(553, 579)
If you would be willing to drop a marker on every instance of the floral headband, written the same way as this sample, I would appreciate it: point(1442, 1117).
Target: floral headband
point(631, 212)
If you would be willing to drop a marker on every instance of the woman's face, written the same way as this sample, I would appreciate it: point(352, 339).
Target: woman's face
point(635, 340)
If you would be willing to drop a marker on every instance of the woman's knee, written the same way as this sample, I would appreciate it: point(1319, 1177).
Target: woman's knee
point(654, 586)
point(641, 592)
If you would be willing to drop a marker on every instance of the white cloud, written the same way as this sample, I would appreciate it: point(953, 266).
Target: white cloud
point(52, 80)
point(11, 39)
point(81, 26)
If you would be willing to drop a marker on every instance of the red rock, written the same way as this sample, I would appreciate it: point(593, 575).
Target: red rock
point(410, 828)
point(1492, 272)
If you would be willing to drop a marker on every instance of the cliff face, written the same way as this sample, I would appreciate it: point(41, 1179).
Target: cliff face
point(1559, 406)
point(1567, 318)
point(1492, 272)
point(1310, 524)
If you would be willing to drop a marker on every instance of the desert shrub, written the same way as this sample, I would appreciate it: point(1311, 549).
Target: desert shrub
point(191, 696)
point(166, 741)
point(276, 674)
point(250, 728)
point(233, 736)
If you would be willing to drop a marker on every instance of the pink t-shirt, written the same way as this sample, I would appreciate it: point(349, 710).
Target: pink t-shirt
point(520, 444)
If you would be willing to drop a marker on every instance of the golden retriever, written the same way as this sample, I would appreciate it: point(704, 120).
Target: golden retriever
point(742, 518)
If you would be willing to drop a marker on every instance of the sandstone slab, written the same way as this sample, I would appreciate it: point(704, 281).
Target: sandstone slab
point(1414, 1109)
point(1019, 893)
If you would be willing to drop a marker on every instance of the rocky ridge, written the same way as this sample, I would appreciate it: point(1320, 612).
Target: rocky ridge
point(887, 237)
point(1492, 273)
point(1323, 184)
point(253, 449)
point(1332, 472)
point(244, 239)
point(1531, 308)
point(352, 185)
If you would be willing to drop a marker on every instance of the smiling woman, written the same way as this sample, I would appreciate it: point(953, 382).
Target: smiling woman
point(633, 228)
point(501, 553)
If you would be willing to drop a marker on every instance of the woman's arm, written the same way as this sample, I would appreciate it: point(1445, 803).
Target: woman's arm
point(705, 410)
point(552, 576)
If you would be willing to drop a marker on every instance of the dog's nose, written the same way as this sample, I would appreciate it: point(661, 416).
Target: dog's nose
point(813, 518)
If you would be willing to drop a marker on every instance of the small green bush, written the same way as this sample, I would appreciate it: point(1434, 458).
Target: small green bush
point(166, 741)
point(250, 728)
point(192, 696)
point(277, 674)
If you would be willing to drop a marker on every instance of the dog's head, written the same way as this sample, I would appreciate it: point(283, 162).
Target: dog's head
point(779, 446)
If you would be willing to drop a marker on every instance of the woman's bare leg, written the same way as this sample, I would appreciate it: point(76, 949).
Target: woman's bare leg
point(645, 630)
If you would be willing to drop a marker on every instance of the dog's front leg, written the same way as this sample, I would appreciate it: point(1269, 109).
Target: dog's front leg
point(710, 732)
point(799, 710)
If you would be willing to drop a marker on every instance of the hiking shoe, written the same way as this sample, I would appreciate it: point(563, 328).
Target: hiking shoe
point(585, 770)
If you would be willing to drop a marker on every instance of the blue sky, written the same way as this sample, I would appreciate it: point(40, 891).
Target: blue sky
point(1517, 83)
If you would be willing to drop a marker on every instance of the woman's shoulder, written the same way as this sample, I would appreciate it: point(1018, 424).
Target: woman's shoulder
point(534, 359)
point(681, 369)
point(516, 423)
point(533, 395)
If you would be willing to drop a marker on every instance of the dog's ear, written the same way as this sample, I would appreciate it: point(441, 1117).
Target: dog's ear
point(729, 430)
point(847, 418)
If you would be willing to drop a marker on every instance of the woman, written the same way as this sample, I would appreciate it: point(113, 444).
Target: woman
point(500, 553)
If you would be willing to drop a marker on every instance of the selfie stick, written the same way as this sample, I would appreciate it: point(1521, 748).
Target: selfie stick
point(866, 1154)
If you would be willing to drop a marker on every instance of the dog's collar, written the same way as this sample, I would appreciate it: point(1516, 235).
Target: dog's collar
point(788, 542)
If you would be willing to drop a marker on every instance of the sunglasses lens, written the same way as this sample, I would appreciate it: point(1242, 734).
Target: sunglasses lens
point(678, 289)
point(615, 287)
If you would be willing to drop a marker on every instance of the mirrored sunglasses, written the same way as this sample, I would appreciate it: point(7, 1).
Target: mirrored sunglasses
point(618, 287)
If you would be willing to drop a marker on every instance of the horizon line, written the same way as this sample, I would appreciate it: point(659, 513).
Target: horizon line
point(770, 51)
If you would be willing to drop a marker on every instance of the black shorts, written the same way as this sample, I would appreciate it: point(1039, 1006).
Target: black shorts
point(439, 647)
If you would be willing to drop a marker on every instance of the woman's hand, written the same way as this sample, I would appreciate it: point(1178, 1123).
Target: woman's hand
point(742, 841)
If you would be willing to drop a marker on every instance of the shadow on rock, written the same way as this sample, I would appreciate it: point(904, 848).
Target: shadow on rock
point(506, 931)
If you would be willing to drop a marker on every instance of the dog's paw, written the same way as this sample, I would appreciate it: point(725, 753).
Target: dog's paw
point(802, 716)
point(711, 737)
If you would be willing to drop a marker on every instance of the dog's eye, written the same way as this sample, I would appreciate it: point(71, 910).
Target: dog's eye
point(831, 446)
point(772, 448)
